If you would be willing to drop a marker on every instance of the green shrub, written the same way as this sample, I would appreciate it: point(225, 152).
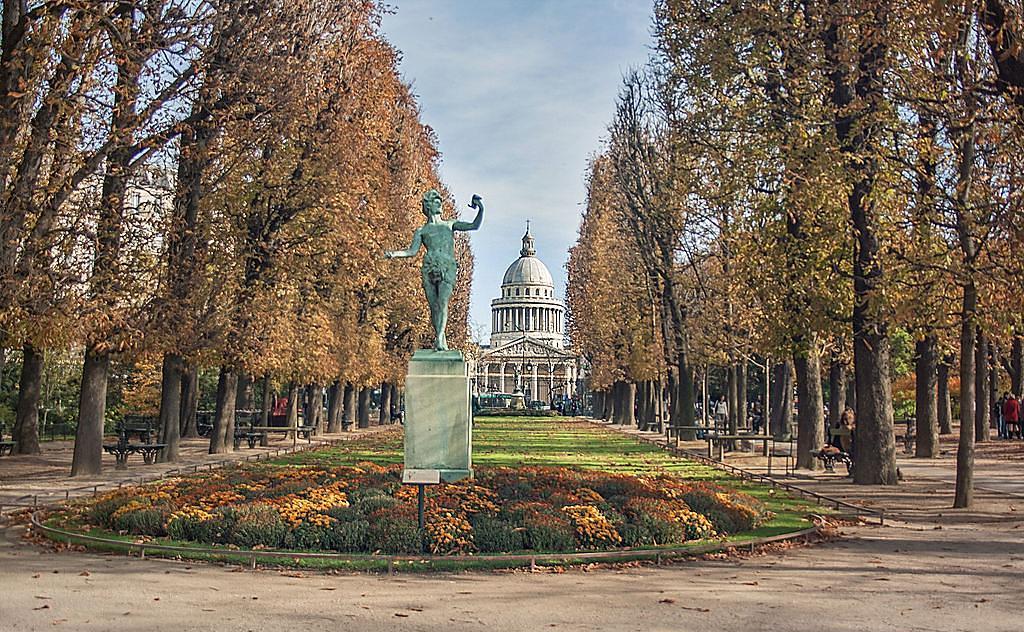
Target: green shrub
point(491, 535)
point(257, 524)
point(101, 512)
point(393, 534)
point(348, 537)
point(372, 503)
point(222, 525)
point(191, 529)
point(635, 535)
point(146, 521)
point(549, 531)
point(307, 537)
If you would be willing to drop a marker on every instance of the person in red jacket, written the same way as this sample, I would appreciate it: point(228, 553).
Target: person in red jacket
point(1011, 415)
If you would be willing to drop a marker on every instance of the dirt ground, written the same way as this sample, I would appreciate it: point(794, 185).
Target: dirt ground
point(928, 568)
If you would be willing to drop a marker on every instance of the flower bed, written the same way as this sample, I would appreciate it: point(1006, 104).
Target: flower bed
point(365, 509)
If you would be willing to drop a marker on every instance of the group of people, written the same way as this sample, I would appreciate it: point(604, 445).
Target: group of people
point(1007, 415)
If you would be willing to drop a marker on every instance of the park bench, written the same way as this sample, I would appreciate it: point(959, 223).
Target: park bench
point(830, 455)
point(306, 432)
point(251, 437)
point(142, 426)
point(123, 448)
point(6, 447)
point(718, 440)
point(909, 436)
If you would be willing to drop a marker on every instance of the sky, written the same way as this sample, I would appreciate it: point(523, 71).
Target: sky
point(520, 94)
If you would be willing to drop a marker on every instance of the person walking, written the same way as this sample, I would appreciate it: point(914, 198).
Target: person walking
point(721, 414)
point(1000, 417)
point(1011, 416)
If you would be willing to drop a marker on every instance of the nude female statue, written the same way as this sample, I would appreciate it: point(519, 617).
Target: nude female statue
point(439, 265)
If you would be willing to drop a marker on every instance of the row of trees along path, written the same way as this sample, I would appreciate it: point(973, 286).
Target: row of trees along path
point(812, 182)
point(192, 185)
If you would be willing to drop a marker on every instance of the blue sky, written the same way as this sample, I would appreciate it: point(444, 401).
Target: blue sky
point(520, 93)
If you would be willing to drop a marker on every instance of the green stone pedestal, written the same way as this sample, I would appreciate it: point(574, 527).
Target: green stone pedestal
point(437, 415)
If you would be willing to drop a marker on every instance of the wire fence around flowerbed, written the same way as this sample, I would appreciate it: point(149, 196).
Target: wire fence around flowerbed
point(395, 563)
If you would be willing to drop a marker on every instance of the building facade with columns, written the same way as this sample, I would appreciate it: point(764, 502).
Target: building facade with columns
point(527, 353)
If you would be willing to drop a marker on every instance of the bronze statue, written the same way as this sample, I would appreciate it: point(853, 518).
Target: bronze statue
point(439, 265)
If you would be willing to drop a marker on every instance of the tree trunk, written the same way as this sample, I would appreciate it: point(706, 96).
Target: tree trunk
point(223, 434)
point(964, 494)
point(628, 403)
point(981, 408)
point(681, 399)
point(363, 407)
point(189, 401)
point(617, 399)
point(384, 416)
point(170, 406)
point(597, 405)
point(945, 402)
point(810, 412)
point(741, 393)
point(641, 403)
point(396, 402)
point(875, 444)
point(926, 397)
point(244, 396)
point(836, 393)
point(316, 405)
point(1017, 367)
point(292, 414)
point(334, 408)
point(782, 399)
point(858, 139)
point(349, 409)
point(731, 401)
point(92, 406)
point(993, 387)
point(267, 403)
point(851, 392)
point(26, 421)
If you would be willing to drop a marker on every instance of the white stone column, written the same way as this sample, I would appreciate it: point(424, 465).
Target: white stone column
point(487, 379)
point(501, 377)
point(551, 382)
point(533, 383)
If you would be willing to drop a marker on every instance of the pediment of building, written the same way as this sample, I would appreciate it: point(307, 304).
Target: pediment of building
point(528, 348)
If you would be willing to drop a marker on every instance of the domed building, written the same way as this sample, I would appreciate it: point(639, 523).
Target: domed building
point(527, 353)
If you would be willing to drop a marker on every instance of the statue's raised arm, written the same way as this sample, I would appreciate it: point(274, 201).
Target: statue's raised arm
point(478, 204)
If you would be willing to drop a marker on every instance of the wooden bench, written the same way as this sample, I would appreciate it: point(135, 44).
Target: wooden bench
point(7, 447)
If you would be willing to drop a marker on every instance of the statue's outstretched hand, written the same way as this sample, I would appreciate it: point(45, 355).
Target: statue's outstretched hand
point(477, 200)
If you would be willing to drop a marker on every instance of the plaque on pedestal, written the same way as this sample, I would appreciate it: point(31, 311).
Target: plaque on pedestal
point(437, 415)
